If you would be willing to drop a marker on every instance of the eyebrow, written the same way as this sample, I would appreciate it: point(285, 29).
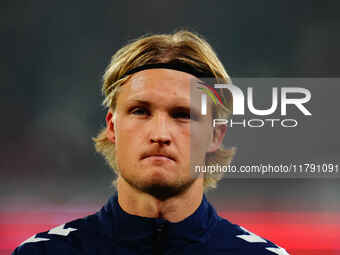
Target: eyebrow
point(139, 101)
point(189, 107)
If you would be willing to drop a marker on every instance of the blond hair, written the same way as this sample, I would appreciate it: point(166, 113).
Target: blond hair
point(183, 46)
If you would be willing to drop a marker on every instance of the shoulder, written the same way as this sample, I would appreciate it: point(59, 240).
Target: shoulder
point(230, 236)
point(68, 238)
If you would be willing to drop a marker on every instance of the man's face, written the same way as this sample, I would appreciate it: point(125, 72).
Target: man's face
point(156, 127)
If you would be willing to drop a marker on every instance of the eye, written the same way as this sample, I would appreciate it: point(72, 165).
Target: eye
point(139, 111)
point(181, 115)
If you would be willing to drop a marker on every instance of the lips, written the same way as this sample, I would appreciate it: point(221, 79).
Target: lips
point(158, 156)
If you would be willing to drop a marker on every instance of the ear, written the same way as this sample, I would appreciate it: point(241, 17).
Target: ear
point(217, 139)
point(110, 131)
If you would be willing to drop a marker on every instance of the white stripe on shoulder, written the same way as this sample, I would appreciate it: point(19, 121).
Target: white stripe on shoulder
point(251, 237)
point(34, 239)
point(279, 251)
point(59, 230)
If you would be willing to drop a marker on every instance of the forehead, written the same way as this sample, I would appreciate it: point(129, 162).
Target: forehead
point(160, 84)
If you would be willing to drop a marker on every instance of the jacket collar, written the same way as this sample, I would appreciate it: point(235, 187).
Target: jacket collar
point(127, 227)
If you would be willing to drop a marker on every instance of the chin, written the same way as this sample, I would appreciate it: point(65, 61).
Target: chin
point(163, 190)
point(160, 184)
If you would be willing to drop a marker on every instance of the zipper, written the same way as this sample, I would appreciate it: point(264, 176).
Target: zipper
point(159, 238)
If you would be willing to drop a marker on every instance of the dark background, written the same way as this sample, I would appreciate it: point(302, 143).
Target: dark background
point(53, 55)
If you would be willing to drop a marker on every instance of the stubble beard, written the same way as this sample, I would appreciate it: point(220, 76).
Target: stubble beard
point(160, 190)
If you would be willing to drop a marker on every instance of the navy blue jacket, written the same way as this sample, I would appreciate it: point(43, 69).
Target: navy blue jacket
point(113, 231)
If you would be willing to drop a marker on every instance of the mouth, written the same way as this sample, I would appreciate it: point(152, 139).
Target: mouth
point(158, 156)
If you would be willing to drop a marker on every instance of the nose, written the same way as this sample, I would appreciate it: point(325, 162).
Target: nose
point(159, 130)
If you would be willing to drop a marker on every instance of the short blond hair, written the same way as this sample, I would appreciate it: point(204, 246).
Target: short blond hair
point(183, 46)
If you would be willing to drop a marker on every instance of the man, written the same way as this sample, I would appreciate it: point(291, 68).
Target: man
point(155, 134)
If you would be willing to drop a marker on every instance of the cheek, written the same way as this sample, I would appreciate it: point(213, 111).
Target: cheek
point(127, 135)
point(127, 148)
point(201, 135)
point(180, 133)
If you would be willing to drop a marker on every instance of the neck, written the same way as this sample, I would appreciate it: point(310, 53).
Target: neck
point(173, 209)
